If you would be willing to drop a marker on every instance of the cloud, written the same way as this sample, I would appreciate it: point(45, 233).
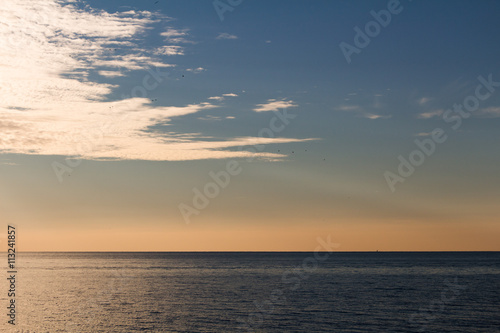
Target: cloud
point(176, 35)
point(360, 112)
point(111, 73)
point(348, 108)
point(430, 114)
point(375, 116)
point(50, 106)
point(9, 163)
point(274, 105)
point(423, 100)
point(196, 70)
point(225, 35)
point(121, 134)
point(210, 117)
point(490, 112)
point(221, 98)
point(170, 50)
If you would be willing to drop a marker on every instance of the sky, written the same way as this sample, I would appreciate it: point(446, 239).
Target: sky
point(250, 125)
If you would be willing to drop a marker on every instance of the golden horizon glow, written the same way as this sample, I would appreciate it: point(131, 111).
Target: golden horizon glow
point(352, 238)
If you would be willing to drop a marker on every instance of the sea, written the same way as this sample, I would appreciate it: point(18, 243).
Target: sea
point(255, 292)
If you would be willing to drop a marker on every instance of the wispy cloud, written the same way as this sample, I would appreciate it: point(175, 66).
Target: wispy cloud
point(196, 70)
point(423, 100)
point(348, 108)
point(49, 105)
point(274, 105)
point(375, 116)
point(490, 112)
point(176, 35)
point(170, 50)
point(211, 118)
point(111, 73)
point(225, 35)
point(221, 98)
point(430, 114)
point(361, 112)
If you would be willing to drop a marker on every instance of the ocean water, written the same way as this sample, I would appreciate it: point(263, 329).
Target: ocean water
point(256, 292)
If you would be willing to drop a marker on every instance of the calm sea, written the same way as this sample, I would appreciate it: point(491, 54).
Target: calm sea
point(256, 292)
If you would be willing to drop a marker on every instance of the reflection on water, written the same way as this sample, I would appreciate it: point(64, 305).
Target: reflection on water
point(267, 292)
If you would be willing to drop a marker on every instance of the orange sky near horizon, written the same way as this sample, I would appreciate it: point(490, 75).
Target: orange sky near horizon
point(351, 237)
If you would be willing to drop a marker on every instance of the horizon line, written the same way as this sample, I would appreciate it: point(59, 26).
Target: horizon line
point(373, 251)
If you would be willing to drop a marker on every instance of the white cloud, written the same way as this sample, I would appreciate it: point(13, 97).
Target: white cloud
point(375, 116)
point(110, 73)
point(175, 35)
point(274, 105)
point(196, 70)
point(50, 107)
point(430, 114)
point(170, 50)
point(225, 35)
point(221, 98)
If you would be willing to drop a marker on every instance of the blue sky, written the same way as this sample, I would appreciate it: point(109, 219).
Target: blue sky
point(72, 76)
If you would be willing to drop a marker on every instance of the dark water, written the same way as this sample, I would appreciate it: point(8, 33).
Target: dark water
point(260, 292)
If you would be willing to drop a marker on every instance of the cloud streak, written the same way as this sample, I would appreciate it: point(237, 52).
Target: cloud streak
point(225, 35)
point(274, 105)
